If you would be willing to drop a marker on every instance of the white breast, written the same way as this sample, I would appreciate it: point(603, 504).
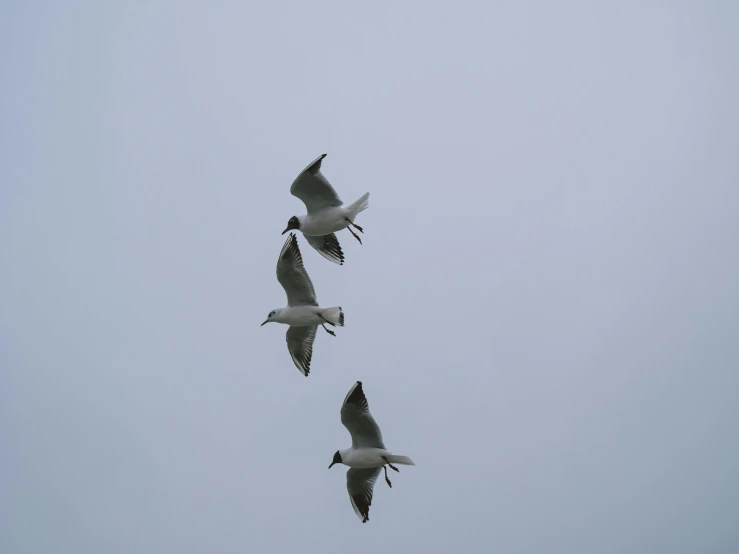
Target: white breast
point(364, 457)
point(324, 222)
point(300, 315)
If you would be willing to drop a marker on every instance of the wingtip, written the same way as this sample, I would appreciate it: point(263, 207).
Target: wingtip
point(291, 243)
point(354, 391)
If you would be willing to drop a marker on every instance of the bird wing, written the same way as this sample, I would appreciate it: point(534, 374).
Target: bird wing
point(328, 246)
point(300, 345)
point(293, 277)
point(314, 189)
point(356, 417)
point(360, 484)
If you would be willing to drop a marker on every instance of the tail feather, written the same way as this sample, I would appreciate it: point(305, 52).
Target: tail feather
point(405, 460)
point(359, 206)
point(335, 315)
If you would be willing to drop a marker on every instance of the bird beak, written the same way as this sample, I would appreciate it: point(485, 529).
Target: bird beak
point(332, 463)
point(262, 325)
point(285, 231)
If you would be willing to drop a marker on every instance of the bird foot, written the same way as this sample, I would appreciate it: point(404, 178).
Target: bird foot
point(357, 227)
point(391, 465)
point(356, 236)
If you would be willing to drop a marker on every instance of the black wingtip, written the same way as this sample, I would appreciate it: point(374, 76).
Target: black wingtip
point(356, 396)
point(331, 249)
point(291, 248)
point(315, 165)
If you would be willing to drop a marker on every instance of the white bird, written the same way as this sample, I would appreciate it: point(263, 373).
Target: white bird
point(367, 455)
point(326, 212)
point(302, 313)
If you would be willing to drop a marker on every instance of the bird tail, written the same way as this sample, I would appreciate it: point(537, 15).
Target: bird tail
point(405, 460)
point(335, 315)
point(359, 206)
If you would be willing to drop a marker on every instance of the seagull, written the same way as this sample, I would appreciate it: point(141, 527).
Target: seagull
point(367, 455)
point(326, 212)
point(302, 313)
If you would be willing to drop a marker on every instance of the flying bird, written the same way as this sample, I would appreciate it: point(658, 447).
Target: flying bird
point(302, 313)
point(326, 212)
point(367, 455)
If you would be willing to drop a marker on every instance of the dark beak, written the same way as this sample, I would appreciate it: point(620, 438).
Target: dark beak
point(285, 231)
point(262, 325)
point(332, 463)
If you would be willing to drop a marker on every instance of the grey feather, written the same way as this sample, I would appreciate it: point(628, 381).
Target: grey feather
point(300, 345)
point(314, 189)
point(360, 484)
point(293, 277)
point(358, 420)
point(328, 246)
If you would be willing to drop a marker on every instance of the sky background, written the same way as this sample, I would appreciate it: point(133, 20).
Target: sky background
point(544, 313)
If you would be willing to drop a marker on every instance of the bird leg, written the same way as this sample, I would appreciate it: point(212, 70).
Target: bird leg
point(357, 227)
point(327, 321)
point(356, 236)
point(391, 465)
point(329, 331)
point(389, 484)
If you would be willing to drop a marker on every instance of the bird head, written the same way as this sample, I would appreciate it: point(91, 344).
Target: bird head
point(271, 316)
point(336, 460)
point(292, 223)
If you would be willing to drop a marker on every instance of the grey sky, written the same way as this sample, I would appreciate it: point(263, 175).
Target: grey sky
point(544, 312)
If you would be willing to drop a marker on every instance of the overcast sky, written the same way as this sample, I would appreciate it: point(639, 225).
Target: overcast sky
point(544, 313)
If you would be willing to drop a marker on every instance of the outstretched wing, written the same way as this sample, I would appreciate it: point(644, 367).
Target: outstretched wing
point(300, 345)
point(314, 189)
point(293, 277)
point(360, 483)
point(328, 246)
point(356, 417)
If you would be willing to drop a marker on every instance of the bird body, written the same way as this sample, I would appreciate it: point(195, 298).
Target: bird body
point(326, 213)
point(308, 315)
point(332, 218)
point(371, 457)
point(367, 456)
point(302, 313)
